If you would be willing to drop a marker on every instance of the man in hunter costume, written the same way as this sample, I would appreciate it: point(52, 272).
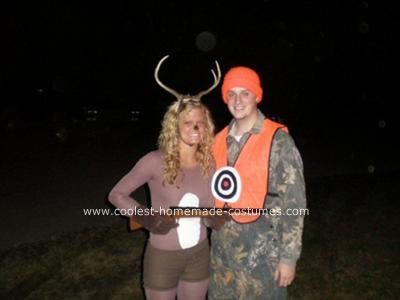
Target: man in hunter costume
point(254, 256)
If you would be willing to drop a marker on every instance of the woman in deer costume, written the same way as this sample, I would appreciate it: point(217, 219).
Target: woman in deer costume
point(176, 260)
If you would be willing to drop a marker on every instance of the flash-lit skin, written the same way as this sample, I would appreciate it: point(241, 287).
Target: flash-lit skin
point(242, 104)
point(191, 127)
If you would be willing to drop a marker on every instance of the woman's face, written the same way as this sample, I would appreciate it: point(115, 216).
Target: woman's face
point(192, 125)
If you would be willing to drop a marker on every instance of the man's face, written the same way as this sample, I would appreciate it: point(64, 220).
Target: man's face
point(242, 103)
point(192, 125)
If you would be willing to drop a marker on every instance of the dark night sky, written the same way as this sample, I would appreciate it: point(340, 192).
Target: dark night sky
point(319, 61)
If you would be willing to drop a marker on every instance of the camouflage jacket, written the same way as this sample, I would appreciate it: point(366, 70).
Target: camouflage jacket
point(244, 256)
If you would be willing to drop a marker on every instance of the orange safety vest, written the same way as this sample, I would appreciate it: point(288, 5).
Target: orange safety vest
point(253, 167)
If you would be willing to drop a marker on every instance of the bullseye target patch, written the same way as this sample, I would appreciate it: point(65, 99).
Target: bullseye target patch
point(226, 185)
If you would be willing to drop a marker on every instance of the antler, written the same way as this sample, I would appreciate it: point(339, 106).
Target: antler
point(173, 92)
point(217, 79)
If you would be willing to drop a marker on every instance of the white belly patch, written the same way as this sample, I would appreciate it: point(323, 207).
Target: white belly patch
point(189, 228)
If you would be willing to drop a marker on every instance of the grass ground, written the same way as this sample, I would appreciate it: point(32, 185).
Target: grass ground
point(351, 251)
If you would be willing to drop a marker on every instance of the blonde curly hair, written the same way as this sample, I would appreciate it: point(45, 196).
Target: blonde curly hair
point(168, 140)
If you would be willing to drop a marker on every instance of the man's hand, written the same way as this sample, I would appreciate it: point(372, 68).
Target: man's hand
point(156, 223)
point(284, 274)
point(215, 222)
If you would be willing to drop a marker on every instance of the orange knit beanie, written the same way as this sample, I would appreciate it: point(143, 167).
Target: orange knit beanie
point(242, 77)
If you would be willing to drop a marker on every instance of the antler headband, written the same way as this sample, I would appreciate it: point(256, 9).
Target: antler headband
point(185, 98)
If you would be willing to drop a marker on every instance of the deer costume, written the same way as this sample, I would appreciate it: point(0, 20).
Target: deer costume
point(176, 260)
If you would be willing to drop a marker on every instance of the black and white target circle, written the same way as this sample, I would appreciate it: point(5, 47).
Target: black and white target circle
point(226, 185)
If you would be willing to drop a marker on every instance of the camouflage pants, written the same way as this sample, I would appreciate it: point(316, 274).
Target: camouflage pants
point(240, 268)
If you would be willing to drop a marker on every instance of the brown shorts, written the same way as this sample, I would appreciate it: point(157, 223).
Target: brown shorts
point(162, 269)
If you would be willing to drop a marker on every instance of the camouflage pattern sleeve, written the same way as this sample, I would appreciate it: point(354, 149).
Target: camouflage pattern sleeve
point(287, 180)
